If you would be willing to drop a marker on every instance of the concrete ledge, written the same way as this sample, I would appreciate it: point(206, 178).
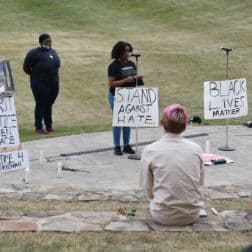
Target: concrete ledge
point(112, 221)
point(67, 193)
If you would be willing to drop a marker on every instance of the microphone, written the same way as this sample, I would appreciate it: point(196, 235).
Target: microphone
point(226, 49)
point(134, 54)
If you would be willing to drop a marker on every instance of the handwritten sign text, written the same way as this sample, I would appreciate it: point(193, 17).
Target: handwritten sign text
point(136, 107)
point(225, 99)
point(14, 160)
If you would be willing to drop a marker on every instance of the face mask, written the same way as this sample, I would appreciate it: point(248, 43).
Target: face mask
point(47, 47)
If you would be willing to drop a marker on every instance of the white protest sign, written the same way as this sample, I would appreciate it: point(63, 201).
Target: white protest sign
point(136, 107)
point(8, 123)
point(14, 160)
point(225, 99)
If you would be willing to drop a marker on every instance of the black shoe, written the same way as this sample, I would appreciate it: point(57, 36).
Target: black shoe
point(41, 131)
point(117, 151)
point(128, 149)
point(248, 124)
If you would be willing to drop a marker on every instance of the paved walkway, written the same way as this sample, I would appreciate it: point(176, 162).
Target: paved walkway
point(92, 172)
point(89, 163)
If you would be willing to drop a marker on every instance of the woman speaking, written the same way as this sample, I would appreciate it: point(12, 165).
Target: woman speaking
point(121, 73)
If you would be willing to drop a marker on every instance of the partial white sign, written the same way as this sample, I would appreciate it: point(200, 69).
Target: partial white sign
point(8, 122)
point(225, 99)
point(136, 107)
point(14, 160)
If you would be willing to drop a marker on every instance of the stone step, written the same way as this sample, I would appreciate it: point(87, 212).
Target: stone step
point(85, 221)
point(68, 193)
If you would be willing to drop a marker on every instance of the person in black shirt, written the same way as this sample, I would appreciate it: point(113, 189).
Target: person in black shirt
point(42, 64)
point(121, 73)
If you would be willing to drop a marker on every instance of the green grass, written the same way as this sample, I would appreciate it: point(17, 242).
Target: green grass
point(28, 134)
point(120, 241)
point(179, 40)
point(180, 44)
point(26, 206)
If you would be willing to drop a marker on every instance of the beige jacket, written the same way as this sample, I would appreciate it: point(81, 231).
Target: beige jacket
point(172, 171)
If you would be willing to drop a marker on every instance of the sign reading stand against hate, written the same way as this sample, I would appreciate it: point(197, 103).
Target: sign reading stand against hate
point(225, 99)
point(136, 107)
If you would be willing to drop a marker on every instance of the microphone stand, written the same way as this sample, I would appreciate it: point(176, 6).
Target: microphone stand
point(226, 148)
point(136, 156)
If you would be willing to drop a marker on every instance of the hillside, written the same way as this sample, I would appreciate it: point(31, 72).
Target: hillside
point(179, 40)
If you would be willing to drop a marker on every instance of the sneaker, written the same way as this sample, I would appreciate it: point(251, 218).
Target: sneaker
point(41, 131)
point(128, 149)
point(247, 123)
point(51, 130)
point(117, 151)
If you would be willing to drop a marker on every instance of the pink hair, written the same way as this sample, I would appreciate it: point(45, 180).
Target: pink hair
point(176, 113)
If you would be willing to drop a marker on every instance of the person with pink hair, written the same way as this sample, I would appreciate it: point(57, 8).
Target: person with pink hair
point(172, 171)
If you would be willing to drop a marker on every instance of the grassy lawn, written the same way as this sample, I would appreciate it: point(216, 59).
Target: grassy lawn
point(126, 241)
point(180, 43)
point(50, 205)
point(120, 242)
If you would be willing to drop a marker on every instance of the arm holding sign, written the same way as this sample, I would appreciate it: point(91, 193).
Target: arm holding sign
point(117, 83)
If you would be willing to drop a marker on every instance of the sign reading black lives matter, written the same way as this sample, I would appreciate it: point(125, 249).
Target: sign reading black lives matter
point(225, 99)
point(136, 107)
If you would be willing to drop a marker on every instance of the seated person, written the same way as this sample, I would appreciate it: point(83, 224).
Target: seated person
point(172, 172)
point(247, 249)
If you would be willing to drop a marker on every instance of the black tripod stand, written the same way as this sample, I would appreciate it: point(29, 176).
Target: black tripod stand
point(226, 147)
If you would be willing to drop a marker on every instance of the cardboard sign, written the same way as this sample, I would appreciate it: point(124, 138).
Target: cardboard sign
point(8, 123)
point(14, 160)
point(225, 99)
point(6, 81)
point(136, 107)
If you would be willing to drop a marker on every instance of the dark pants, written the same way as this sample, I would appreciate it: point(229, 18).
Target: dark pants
point(44, 96)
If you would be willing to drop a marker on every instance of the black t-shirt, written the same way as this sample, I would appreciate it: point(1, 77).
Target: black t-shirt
point(44, 65)
point(121, 71)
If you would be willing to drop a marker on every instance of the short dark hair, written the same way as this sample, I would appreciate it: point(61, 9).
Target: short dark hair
point(171, 126)
point(175, 118)
point(118, 49)
point(43, 37)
